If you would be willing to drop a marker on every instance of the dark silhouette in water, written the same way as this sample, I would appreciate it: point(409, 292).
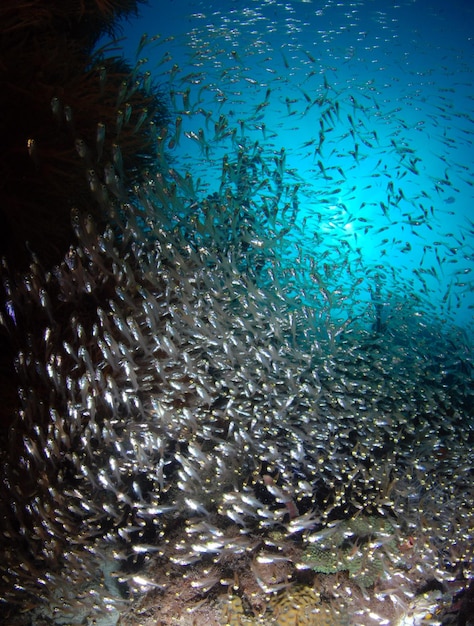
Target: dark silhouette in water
point(60, 122)
point(379, 326)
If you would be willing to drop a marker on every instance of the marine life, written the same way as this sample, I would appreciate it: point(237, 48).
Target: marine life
point(357, 546)
point(252, 381)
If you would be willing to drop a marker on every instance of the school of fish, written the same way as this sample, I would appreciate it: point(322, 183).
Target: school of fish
point(261, 345)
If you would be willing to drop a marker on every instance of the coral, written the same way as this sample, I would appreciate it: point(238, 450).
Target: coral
point(233, 612)
point(298, 606)
point(301, 605)
point(357, 546)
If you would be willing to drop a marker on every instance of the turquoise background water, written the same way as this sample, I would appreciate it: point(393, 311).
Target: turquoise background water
point(372, 105)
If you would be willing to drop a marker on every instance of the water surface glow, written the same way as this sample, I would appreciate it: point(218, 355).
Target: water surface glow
point(372, 109)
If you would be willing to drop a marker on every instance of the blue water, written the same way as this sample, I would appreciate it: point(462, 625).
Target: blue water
point(368, 108)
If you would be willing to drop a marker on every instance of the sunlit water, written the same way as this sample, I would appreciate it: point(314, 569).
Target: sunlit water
point(367, 109)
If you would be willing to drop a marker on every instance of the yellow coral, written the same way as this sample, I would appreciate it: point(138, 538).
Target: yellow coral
point(298, 606)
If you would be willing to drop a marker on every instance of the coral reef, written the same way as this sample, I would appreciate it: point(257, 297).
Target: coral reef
point(299, 606)
point(358, 545)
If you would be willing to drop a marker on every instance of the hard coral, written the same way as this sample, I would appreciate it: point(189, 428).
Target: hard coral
point(353, 546)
